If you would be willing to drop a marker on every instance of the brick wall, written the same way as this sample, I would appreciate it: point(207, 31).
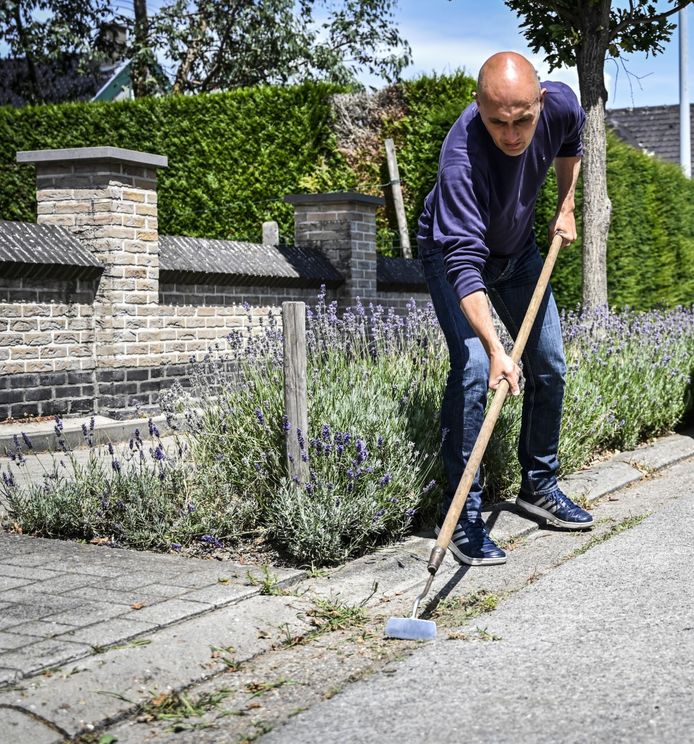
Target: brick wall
point(110, 343)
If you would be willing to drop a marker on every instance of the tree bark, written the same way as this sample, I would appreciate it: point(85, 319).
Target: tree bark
point(597, 207)
point(34, 95)
point(139, 67)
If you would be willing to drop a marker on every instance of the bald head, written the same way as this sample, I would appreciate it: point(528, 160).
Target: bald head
point(510, 100)
point(508, 78)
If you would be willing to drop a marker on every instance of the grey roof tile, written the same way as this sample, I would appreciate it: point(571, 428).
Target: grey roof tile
point(193, 260)
point(655, 129)
point(37, 251)
point(400, 274)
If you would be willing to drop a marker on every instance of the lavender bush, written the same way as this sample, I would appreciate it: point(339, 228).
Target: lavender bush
point(373, 390)
point(374, 386)
point(141, 495)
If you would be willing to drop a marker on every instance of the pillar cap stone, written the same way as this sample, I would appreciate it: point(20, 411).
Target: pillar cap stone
point(116, 154)
point(335, 197)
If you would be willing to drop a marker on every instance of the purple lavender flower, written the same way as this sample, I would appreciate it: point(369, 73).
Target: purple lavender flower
point(286, 426)
point(325, 432)
point(159, 453)
point(387, 478)
point(27, 441)
point(211, 540)
point(153, 430)
point(409, 513)
point(260, 416)
point(8, 479)
point(176, 547)
point(362, 452)
point(110, 448)
point(115, 464)
point(300, 439)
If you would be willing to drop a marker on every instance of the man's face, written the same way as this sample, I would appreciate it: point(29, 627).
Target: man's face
point(511, 124)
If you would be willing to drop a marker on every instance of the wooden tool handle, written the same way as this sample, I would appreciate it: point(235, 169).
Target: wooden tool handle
point(463, 489)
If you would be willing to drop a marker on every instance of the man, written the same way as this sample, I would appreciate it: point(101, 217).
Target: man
point(476, 243)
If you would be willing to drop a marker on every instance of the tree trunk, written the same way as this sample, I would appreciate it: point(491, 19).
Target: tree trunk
point(139, 66)
point(590, 59)
point(34, 93)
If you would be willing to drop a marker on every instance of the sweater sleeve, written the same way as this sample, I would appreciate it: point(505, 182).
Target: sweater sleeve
point(575, 118)
point(460, 222)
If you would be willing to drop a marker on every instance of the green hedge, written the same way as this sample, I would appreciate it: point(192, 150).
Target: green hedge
point(234, 156)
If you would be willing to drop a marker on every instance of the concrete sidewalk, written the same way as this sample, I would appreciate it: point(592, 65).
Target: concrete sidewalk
point(87, 633)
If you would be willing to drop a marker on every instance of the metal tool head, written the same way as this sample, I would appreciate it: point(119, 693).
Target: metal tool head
point(411, 629)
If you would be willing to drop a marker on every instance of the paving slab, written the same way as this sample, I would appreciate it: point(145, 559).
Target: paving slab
point(20, 726)
point(600, 480)
point(95, 596)
point(109, 685)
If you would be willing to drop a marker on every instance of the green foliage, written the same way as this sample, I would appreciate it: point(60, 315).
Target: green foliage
point(650, 253)
point(232, 156)
point(57, 37)
point(373, 385)
point(433, 104)
point(561, 27)
point(147, 500)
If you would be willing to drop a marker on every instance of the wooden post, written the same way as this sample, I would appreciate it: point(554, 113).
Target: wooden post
point(396, 191)
point(295, 408)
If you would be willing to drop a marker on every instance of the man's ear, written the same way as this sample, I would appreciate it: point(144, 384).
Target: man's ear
point(543, 93)
point(474, 95)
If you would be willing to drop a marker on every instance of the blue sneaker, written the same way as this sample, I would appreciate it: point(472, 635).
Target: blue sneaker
point(472, 545)
point(557, 509)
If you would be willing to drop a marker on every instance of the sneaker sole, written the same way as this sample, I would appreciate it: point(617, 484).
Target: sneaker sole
point(462, 558)
point(550, 518)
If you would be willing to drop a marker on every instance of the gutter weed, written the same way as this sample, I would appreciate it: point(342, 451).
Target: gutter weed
point(178, 707)
point(625, 524)
point(268, 582)
point(328, 615)
point(458, 610)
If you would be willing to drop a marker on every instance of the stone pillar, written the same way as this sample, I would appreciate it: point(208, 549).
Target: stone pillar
point(107, 197)
point(342, 226)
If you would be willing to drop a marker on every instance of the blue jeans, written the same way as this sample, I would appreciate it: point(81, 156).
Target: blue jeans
point(510, 284)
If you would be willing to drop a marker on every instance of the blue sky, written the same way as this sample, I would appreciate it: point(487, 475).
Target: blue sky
point(445, 35)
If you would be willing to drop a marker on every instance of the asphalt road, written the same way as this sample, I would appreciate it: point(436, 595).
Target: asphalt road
point(600, 649)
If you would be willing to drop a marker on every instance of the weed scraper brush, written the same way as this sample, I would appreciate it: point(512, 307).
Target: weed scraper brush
point(412, 628)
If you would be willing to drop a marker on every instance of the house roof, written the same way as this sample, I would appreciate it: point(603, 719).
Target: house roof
point(654, 129)
point(68, 79)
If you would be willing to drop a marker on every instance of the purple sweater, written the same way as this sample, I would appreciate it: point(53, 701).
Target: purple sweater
point(484, 201)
